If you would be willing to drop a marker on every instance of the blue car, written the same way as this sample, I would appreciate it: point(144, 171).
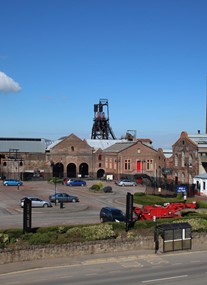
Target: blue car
point(76, 182)
point(12, 182)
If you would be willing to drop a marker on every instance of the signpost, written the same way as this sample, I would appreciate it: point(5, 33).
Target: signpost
point(129, 210)
point(27, 215)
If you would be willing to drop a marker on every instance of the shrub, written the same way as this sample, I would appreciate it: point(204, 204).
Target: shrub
point(42, 238)
point(100, 184)
point(107, 189)
point(4, 239)
point(90, 233)
point(95, 187)
point(197, 224)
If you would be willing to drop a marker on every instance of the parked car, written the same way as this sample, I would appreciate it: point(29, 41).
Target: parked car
point(73, 182)
point(63, 197)
point(12, 182)
point(126, 182)
point(108, 214)
point(36, 202)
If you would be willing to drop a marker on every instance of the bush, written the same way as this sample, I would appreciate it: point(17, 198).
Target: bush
point(42, 238)
point(107, 189)
point(100, 184)
point(91, 233)
point(95, 187)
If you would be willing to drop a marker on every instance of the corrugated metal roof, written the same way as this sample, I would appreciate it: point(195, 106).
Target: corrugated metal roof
point(32, 145)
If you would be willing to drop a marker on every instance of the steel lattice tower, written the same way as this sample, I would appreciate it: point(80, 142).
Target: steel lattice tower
point(101, 128)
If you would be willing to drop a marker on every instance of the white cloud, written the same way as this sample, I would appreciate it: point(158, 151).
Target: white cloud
point(7, 84)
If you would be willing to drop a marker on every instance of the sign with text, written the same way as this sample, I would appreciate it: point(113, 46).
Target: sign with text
point(182, 189)
point(27, 215)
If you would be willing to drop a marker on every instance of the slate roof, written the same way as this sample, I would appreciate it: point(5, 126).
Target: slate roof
point(118, 147)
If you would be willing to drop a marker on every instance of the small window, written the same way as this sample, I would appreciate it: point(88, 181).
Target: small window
point(99, 157)
point(4, 164)
point(72, 148)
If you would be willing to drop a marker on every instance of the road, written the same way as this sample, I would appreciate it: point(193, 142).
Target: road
point(186, 268)
point(84, 212)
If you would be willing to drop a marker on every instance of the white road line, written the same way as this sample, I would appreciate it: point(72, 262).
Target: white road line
point(162, 279)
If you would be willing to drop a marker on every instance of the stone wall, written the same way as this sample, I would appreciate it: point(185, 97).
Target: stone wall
point(199, 242)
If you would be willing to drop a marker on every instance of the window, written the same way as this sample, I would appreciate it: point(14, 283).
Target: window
point(127, 164)
point(183, 159)
point(110, 163)
point(106, 162)
point(149, 164)
point(72, 148)
point(138, 150)
point(4, 164)
point(99, 157)
point(183, 178)
point(176, 160)
point(204, 185)
point(190, 160)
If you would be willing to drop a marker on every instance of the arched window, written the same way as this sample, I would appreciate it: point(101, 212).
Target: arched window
point(176, 160)
point(183, 159)
point(190, 160)
point(183, 178)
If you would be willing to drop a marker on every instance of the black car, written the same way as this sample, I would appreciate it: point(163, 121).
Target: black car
point(108, 214)
point(63, 197)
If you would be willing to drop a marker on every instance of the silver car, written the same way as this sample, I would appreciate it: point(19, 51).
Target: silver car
point(36, 202)
point(126, 182)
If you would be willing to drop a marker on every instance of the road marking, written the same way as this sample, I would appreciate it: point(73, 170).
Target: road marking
point(167, 278)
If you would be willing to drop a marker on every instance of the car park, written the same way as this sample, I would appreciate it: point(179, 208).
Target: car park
point(108, 214)
point(75, 182)
point(36, 202)
point(63, 198)
point(12, 182)
point(126, 182)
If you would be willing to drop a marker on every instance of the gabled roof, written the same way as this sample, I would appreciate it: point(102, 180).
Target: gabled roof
point(184, 136)
point(118, 147)
point(202, 176)
point(102, 144)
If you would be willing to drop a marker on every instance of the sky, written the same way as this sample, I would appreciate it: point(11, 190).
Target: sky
point(58, 58)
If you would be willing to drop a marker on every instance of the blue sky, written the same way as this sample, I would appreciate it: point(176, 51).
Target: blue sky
point(59, 57)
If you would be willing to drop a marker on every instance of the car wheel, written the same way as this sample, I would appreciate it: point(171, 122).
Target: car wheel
point(6, 184)
point(45, 205)
point(123, 185)
point(101, 220)
point(82, 184)
point(74, 200)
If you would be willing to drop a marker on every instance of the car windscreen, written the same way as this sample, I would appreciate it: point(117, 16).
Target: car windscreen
point(118, 214)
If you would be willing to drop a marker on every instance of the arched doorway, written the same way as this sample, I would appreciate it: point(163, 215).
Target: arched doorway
point(100, 173)
point(71, 170)
point(83, 169)
point(58, 170)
